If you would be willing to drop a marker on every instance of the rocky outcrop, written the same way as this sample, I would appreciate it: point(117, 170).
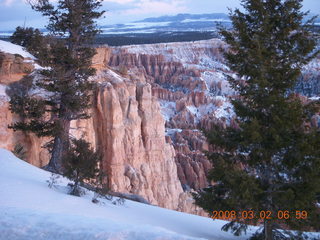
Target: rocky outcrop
point(185, 77)
point(128, 127)
point(130, 130)
point(149, 104)
point(193, 166)
point(13, 67)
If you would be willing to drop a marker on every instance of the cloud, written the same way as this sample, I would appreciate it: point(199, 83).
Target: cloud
point(143, 7)
point(8, 2)
point(120, 1)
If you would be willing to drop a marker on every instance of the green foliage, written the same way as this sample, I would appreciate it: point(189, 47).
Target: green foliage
point(70, 56)
point(30, 109)
point(33, 41)
point(65, 80)
point(271, 161)
point(29, 38)
point(81, 163)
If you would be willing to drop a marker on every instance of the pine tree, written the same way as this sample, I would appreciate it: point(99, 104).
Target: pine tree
point(270, 163)
point(66, 80)
point(32, 39)
point(81, 164)
point(34, 42)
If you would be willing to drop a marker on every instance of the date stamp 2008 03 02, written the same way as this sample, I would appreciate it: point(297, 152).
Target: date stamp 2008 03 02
point(261, 215)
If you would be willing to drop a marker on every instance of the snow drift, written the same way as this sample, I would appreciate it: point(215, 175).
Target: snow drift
point(31, 210)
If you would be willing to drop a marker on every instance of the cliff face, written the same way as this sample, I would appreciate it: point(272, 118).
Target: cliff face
point(128, 126)
point(150, 102)
point(136, 155)
point(12, 68)
point(188, 80)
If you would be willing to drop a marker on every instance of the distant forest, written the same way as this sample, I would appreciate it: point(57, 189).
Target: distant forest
point(147, 38)
point(157, 37)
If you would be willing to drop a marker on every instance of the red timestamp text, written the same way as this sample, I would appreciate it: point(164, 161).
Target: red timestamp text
point(261, 215)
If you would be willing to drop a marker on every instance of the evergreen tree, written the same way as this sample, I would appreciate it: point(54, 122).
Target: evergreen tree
point(81, 164)
point(270, 163)
point(66, 80)
point(33, 41)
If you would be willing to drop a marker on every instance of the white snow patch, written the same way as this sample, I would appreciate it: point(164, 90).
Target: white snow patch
point(14, 49)
point(201, 111)
point(172, 131)
point(314, 98)
point(146, 24)
point(116, 76)
point(225, 111)
point(216, 83)
point(3, 95)
point(31, 210)
point(188, 53)
point(168, 109)
point(3, 90)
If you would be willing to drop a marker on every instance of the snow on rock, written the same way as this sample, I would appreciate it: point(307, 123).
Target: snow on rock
point(31, 210)
point(115, 76)
point(168, 109)
point(3, 95)
point(3, 90)
point(216, 83)
point(226, 110)
point(184, 52)
point(314, 98)
point(14, 49)
point(172, 131)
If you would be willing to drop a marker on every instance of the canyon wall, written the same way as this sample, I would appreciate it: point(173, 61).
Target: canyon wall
point(128, 126)
point(150, 102)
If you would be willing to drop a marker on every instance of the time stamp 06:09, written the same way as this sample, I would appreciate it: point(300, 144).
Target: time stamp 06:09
point(262, 215)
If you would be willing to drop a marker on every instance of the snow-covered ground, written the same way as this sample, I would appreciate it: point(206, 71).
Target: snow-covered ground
point(29, 209)
point(186, 53)
point(14, 49)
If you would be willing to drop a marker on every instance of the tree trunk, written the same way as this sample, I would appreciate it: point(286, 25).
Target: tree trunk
point(268, 235)
point(60, 147)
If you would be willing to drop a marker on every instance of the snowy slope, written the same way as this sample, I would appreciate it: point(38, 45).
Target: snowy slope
point(14, 49)
point(31, 210)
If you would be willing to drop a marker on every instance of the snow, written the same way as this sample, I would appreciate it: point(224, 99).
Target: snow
point(3, 90)
point(201, 111)
point(109, 75)
point(31, 210)
point(314, 98)
point(146, 24)
point(224, 111)
point(115, 76)
point(14, 49)
point(168, 109)
point(185, 52)
point(172, 131)
point(3, 95)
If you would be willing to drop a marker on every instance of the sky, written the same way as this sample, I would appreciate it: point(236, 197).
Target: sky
point(15, 13)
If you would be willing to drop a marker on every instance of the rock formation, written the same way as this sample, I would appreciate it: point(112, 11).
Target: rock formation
point(13, 67)
point(147, 110)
